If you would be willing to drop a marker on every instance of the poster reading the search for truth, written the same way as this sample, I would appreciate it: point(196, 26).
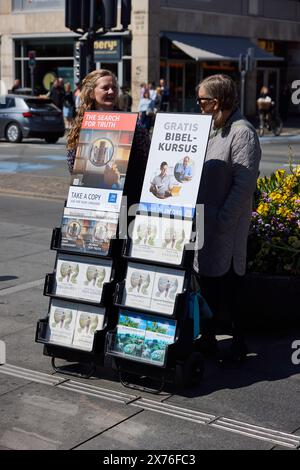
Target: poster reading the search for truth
point(175, 164)
point(101, 161)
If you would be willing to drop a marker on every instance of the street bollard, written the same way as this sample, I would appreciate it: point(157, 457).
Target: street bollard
point(2, 353)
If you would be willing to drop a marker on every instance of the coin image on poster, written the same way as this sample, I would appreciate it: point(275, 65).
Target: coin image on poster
point(100, 231)
point(73, 229)
point(101, 152)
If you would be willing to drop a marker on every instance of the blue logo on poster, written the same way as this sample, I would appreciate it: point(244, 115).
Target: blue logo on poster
point(112, 198)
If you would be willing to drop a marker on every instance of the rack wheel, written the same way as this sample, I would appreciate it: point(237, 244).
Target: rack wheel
point(189, 371)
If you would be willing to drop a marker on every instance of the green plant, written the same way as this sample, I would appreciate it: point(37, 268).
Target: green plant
point(274, 241)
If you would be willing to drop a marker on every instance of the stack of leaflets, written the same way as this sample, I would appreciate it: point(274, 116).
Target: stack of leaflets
point(152, 288)
point(81, 278)
point(73, 325)
point(88, 232)
point(143, 338)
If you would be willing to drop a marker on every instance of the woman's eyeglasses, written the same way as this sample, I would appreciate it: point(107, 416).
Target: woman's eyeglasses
point(200, 100)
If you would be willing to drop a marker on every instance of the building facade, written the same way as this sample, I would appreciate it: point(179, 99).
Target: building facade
point(180, 40)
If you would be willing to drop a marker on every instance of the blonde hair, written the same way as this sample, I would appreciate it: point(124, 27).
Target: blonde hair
point(87, 103)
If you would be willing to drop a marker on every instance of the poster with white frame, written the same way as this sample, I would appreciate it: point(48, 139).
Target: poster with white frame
point(175, 163)
point(160, 239)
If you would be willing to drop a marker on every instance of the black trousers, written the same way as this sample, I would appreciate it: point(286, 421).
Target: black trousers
point(223, 295)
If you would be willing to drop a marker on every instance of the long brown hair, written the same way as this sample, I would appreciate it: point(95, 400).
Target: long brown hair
point(87, 103)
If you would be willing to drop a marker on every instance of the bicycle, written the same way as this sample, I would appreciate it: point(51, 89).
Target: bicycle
point(269, 119)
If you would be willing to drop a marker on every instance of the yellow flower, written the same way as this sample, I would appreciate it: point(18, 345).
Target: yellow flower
point(284, 212)
point(276, 197)
point(263, 209)
point(279, 174)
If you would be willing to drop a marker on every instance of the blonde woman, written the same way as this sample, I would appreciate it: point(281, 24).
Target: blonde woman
point(99, 92)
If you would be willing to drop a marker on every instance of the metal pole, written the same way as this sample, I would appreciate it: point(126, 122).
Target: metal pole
point(32, 79)
point(243, 83)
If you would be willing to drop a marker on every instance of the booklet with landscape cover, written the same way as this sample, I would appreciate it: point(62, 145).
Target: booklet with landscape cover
point(143, 338)
point(101, 161)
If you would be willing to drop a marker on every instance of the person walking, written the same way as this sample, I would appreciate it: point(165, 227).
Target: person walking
point(99, 92)
point(57, 93)
point(165, 95)
point(227, 186)
point(146, 110)
point(68, 106)
point(124, 100)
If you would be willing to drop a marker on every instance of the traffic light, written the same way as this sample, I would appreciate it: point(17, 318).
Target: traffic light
point(73, 14)
point(85, 15)
point(125, 13)
point(31, 57)
point(109, 14)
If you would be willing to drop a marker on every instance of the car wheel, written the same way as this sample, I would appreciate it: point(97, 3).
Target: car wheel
point(13, 133)
point(52, 139)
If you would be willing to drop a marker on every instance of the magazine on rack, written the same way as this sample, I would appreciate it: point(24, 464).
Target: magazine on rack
point(74, 326)
point(86, 231)
point(143, 338)
point(175, 162)
point(101, 160)
point(81, 279)
point(152, 288)
point(160, 238)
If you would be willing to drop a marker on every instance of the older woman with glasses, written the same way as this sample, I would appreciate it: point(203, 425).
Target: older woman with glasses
point(226, 190)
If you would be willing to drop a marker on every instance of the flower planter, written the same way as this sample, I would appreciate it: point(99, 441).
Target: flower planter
point(270, 300)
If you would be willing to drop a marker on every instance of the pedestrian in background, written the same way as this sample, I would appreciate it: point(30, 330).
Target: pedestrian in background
point(227, 186)
point(125, 100)
point(57, 93)
point(146, 110)
point(77, 97)
point(165, 94)
point(16, 85)
point(68, 106)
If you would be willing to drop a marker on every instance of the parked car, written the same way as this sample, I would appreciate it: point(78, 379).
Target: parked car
point(23, 116)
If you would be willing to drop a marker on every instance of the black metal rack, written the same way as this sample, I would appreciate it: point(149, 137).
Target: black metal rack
point(94, 357)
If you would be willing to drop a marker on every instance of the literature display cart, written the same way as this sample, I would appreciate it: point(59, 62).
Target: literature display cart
point(84, 278)
point(155, 332)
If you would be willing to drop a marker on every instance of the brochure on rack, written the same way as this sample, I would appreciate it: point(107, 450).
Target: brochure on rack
point(152, 288)
point(143, 337)
point(88, 232)
point(160, 239)
point(72, 325)
point(101, 161)
point(81, 279)
point(175, 164)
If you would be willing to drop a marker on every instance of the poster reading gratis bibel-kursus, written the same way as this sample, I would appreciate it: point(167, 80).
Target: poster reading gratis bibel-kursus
point(175, 164)
point(101, 161)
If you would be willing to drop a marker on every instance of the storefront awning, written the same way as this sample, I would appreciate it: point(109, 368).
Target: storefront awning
point(208, 48)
